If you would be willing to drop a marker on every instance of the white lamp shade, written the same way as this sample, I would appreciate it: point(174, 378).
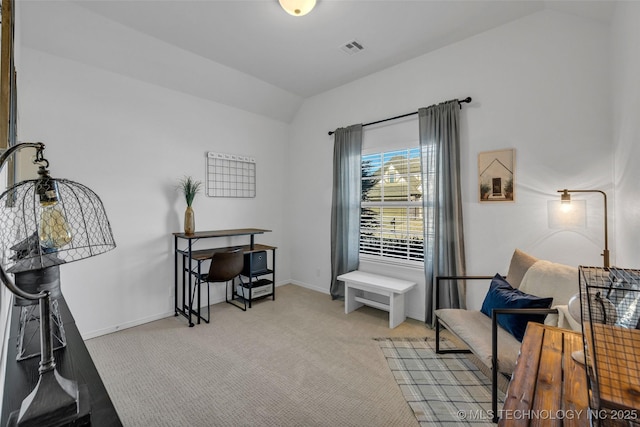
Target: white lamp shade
point(297, 7)
point(567, 215)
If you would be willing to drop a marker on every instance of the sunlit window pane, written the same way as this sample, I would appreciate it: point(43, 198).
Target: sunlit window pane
point(391, 221)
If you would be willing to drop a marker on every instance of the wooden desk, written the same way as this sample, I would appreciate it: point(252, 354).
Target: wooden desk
point(547, 388)
point(222, 233)
point(182, 305)
point(72, 362)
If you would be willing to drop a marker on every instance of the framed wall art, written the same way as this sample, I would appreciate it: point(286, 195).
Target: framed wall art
point(496, 176)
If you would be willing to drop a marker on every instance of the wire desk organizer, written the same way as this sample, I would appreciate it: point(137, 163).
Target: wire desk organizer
point(610, 309)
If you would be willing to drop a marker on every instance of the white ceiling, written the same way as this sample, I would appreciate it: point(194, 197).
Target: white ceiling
point(301, 54)
point(282, 59)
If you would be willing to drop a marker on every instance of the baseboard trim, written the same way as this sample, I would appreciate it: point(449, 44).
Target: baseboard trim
point(309, 286)
point(142, 321)
point(126, 325)
point(416, 316)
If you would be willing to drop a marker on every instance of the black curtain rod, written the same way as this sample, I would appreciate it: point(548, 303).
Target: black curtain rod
point(460, 101)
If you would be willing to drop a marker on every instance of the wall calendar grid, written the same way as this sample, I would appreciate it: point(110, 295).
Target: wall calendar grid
point(230, 175)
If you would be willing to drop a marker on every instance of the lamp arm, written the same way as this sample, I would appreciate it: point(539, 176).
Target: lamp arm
point(605, 253)
point(16, 290)
point(39, 146)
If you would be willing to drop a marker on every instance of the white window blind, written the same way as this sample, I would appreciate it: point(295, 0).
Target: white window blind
point(391, 219)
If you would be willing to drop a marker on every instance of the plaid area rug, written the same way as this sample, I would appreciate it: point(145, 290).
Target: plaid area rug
point(441, 389)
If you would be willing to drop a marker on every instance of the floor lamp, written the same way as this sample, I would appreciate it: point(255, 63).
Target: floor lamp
point(565, 197)
point(46, 222)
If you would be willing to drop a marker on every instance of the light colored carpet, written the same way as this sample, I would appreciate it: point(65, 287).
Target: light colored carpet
point(295, 361)
point(442, 389)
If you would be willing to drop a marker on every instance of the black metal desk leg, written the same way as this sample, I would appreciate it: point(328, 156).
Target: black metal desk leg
point(184, 284)
point(190, 282)
point(175, 278)
point(197, 289)
point(250, 279)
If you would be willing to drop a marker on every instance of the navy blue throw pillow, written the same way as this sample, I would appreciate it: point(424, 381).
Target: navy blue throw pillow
point(502, 295)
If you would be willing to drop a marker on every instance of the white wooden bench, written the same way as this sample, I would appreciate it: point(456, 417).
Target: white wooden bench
point(393, 289)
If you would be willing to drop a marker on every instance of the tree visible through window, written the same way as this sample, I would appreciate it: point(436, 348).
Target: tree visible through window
point(391, 219)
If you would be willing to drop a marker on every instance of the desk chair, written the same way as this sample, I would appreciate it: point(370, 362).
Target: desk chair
point(225, 266)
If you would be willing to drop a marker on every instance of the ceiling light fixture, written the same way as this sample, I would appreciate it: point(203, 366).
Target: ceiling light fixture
point(297, 7)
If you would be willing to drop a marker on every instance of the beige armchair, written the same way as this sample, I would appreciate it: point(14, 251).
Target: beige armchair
point(483, 336)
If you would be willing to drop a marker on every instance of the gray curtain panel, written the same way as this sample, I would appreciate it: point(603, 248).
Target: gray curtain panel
point(444, 238)
point(345, 206)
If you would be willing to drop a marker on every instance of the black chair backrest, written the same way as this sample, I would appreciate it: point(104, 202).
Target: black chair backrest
point(225, 265)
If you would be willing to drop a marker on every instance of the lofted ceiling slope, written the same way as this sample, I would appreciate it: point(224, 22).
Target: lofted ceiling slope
point(240, 50)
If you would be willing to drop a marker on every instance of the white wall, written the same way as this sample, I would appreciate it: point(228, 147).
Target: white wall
point(626, 132)
point(540, 85)
point(130, 142)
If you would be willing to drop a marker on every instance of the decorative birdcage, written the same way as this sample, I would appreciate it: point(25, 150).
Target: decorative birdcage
point(36, 234)
point(36, 238)
point(610, 308)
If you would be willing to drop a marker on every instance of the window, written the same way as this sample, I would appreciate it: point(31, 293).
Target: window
point(391, 218)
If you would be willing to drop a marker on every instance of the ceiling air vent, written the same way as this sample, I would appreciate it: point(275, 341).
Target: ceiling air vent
point(352, 47)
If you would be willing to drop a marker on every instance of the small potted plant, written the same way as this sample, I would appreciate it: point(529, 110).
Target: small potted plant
point(189, 188)
point(484, 191)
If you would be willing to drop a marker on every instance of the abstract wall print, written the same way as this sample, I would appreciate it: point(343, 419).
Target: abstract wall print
point(496, 175)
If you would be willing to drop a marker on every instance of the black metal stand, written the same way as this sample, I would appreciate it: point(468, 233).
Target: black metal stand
point(254, 274)
point(55, 400)
point(74, 361)
point(77, 413)
point(34, 282)
point(234, 296)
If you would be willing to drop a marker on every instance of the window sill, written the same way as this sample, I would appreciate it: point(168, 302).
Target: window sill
point(414, 265)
